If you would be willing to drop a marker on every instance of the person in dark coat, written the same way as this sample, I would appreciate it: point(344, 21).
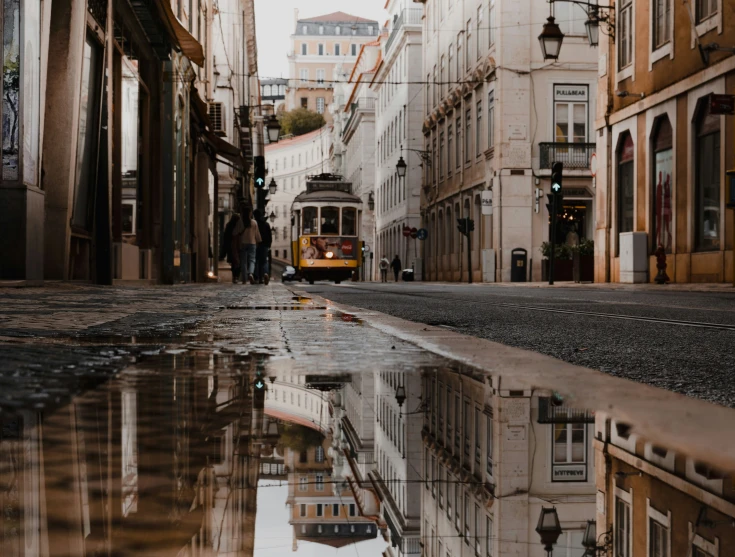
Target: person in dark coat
point(226, 251)
point(264, 247)
point(396, 266)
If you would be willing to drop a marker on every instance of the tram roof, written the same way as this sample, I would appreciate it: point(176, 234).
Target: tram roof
point(327, 196)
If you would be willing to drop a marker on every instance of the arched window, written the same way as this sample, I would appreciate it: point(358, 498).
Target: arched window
point(440, 235)
point(662, 223)
point(707, 180)
point(626, 183)
point(456, 235)
point(448, 231)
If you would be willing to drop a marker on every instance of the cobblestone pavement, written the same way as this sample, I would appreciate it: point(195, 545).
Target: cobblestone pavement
point(59, 341)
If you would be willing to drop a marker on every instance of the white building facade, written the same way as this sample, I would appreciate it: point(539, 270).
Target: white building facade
point(399, 117)
point(496, 117)
point(289, 162)
point(358, 138)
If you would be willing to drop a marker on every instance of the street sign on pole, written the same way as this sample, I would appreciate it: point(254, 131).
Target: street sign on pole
point(406, 231)
point(422, 234)
point(414, 233)
point(487, 202)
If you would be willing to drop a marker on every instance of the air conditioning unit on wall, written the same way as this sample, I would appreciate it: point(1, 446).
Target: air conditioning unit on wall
point(217, 119)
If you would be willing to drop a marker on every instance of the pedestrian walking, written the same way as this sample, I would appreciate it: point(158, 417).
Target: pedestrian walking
point(261, 251)
point(384, 265)
point(226, 250)
point(396, 266)
point(246, 237)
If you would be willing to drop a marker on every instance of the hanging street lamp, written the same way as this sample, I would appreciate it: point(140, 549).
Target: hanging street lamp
point(550, 39)
point(594, 547)
point(272, 187)
point(272, 217)
point(548, 527)
point(274, 129)
point(401, 167)
point(400, 395)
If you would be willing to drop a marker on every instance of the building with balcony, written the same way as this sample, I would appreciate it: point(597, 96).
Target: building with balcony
point(357, 125)
point(399, 117)
point(289, 162)
point(496, 117)
point(662, 144)
point(319, 45)
point(273, 92)
point(494, 453)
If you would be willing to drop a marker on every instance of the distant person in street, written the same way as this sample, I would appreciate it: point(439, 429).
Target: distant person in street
point(396, 266)
point(261, 252)
point(245, 238)
point(226, 250)
point(384, 265)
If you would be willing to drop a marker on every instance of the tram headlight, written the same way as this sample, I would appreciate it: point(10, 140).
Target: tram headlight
point(329, 255)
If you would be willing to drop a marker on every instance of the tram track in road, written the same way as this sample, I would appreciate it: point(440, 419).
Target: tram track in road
point(565, 311)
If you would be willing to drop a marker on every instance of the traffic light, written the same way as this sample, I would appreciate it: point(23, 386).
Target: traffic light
point(462, 226)
point(470, 225)
point(559, 204)
point(259, 171)
point(557, 171)
point(259, 381)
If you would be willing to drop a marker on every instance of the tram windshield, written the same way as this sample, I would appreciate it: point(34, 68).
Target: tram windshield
point(349, 221)
point(330, 220)
point(310, 220)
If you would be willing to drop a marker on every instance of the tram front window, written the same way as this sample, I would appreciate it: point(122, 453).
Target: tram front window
point(349, 221)
point(330, 220)
point(310, 220)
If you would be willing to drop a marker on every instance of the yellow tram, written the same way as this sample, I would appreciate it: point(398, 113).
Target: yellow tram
point(325, 238)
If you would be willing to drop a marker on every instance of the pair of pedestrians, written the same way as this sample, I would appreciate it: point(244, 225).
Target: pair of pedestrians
point(246, 241)
point(385, 265)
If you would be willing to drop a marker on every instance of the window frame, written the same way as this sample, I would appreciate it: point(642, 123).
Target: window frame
point(626, 498)
point(569, 462)
point(664, 521)
point(625, 66)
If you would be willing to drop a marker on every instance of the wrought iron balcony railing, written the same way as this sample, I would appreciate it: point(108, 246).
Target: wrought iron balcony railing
point(575, 156)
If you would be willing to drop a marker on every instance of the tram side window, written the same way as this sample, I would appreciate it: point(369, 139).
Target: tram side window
point(330, 220)
point(349, 221)
point(311, 220)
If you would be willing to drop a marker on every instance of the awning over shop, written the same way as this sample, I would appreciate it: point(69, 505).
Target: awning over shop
point(180, 36)
point(225, 149)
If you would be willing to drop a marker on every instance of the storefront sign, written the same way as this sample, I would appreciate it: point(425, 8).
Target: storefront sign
point(569, 473)
point(487, 202)
point(722, 104)
point(569, 93)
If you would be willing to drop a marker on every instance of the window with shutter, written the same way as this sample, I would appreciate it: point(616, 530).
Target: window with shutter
point(215, 116)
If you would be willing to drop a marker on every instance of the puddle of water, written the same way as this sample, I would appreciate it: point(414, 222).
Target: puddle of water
point(231, 455)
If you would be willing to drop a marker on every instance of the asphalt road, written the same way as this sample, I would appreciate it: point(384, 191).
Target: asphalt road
point(639, 335)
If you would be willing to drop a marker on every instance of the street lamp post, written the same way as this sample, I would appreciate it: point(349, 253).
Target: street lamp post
point(548, 528)
point(592, 545)
point(272, 187)
point(274, 129)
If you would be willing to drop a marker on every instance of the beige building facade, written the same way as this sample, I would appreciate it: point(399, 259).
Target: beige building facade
point(323, 50)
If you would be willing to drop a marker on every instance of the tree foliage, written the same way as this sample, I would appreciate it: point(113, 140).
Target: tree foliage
point(299, 438)
point(300, 121)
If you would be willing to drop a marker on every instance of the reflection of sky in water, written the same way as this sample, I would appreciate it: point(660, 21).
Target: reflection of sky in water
point(274, 535)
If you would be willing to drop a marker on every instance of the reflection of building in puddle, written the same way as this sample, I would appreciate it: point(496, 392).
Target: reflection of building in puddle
point(161, 461)
point(322, 506)
point(380, 443)
point(651, 497)
point(493, 455)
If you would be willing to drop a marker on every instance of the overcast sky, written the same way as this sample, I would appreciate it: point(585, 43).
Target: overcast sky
point(274, 22)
